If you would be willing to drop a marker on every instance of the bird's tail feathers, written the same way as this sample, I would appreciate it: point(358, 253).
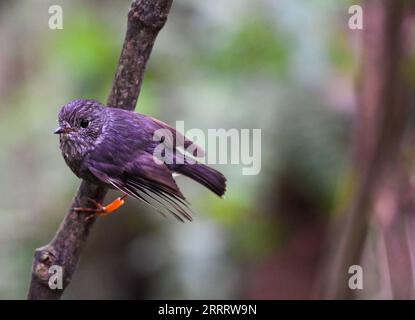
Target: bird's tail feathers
point(206, 176)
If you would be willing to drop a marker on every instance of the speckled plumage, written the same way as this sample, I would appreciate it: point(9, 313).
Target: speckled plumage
point(114, 147)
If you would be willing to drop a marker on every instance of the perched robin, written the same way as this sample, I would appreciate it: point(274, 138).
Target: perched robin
point(116, 148)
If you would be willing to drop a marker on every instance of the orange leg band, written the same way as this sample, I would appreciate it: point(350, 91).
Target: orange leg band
point(101, 210)
point(112, 207)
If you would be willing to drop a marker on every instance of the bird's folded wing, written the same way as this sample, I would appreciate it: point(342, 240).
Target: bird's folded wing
point(177, 140)
point(145, 179)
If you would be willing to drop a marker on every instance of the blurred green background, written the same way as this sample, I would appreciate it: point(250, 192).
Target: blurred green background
point(286, 67)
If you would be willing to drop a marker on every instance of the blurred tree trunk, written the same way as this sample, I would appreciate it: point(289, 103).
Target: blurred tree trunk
point(383, 110)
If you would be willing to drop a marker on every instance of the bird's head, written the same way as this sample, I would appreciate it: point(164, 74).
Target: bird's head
point(80, 125)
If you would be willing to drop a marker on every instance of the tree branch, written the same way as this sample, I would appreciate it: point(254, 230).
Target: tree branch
point(145, 19)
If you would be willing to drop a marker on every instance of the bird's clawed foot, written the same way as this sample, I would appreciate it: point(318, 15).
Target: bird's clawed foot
point(100, 210)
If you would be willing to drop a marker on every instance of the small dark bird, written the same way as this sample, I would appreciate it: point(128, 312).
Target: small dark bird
point(116, 148)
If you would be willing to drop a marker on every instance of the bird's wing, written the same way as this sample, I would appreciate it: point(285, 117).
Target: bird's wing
point(176, 139)
point(145, 179)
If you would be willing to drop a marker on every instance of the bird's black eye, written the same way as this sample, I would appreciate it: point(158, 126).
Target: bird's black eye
point(84, 123)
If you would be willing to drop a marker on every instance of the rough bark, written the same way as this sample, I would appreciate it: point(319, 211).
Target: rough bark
point(145, 19)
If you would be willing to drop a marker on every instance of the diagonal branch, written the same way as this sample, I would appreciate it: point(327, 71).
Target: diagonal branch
point(145, 20)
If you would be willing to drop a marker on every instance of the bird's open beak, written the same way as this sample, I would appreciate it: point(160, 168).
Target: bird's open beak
point(62, 129)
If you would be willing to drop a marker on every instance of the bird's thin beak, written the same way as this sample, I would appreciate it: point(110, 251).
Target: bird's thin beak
point(62, 129)
point(59, 130)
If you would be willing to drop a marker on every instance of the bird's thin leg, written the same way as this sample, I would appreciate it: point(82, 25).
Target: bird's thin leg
point(101, 210)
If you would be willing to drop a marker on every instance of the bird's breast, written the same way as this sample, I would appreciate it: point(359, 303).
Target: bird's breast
point(74, 153)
